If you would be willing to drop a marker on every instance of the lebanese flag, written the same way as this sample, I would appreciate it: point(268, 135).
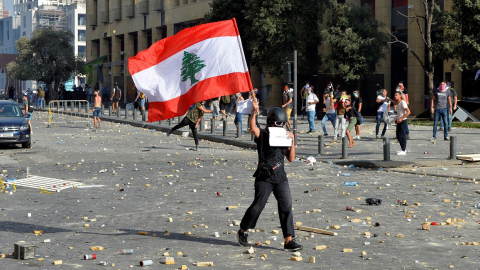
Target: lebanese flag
point(197, 64)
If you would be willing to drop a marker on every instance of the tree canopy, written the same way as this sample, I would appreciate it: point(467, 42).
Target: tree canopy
point(356, 44)
point(48, 57)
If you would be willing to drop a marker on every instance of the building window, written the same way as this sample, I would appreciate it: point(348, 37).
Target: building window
point(81, 35)
point(82, 51)
point(81, 19)
point(24, 21)
point(24, 34)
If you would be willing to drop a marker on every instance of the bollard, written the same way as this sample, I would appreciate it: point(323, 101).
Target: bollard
point(145, 114)
point(239, 130)
point(87, 107)
point(178, 120)
point(118, 110)
point(110, 109)
point(320, 145)
point(386, 149)
point(126, 111)
point(202, 126)
point(134, 114)
point(170, 121)
point(103, 109)
point(225, 128)
point(79, 107)
point(453, 147)
point(212, 129)
point(160, 122)
point(344, 148)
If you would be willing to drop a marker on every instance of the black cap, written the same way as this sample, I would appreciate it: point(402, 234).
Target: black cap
point(116, 83)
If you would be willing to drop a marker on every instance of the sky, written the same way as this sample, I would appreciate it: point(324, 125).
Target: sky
point(8, 4)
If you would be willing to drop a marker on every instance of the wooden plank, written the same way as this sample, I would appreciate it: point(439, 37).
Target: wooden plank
point(315, 230)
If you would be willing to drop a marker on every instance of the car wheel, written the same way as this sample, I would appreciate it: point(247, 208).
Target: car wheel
point(27, 144)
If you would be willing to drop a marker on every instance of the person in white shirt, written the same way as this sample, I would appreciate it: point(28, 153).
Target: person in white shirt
point(385, 106)
point(312, 100)
point(402, 113)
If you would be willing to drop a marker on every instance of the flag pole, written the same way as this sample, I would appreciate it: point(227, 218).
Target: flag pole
point(295, 96)
point(243, 55)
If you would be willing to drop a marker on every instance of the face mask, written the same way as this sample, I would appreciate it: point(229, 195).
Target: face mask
point(441, 87)
point(307, 86)
point(355, 95)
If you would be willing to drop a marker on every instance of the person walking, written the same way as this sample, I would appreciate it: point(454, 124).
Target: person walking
point(40, 97)
point(270, 176)
point(140, 100)
point(28, 111)
point(350, 115)
point(312, 101)
point(438, 107)
point(340, 118)
point(303, 94)
point(238, 116)
point(192, 120)
point(357, 104)
point(287, 104)
point(97, 110)
point(329, 111)
point(384, 106)
point(117, 95)
point(454, 99)
point(401, 132)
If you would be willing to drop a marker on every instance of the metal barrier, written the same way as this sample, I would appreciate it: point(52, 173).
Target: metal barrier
point(68, 112)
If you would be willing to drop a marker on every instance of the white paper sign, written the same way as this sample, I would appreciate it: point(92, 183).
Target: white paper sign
point(245, 106)
point(278, 137)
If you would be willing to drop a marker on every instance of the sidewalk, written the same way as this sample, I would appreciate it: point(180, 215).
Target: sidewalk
point(367, 153)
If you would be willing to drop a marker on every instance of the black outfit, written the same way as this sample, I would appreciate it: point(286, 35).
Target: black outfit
point(270, 177)
point(401, 133)
point(191, 125)
point(351, 113)
point(116, 95)
point(11, 92)
point(356, 104)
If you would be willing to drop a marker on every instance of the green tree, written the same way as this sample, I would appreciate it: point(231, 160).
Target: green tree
point(47, 57)
point(356, 44)
point(191, 65)
point(460, 29)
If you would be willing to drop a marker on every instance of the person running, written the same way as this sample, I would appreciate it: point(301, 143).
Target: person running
point(329, 111)
point(287, 104)
point(192, 119)
point(384, 102)
point(402, 113)
point(438, 107)
point(117, 95)
point(28, 111)
point(351, 116)
point(357, 104)
point(270, 176)
point(312, 101)
point(97, 110)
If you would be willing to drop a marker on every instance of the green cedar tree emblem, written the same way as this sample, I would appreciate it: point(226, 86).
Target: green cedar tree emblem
point(191, 64)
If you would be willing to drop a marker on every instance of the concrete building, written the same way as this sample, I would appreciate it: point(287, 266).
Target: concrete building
point(119, 29)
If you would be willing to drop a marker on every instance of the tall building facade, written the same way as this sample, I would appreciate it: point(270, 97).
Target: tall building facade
point(119, 29)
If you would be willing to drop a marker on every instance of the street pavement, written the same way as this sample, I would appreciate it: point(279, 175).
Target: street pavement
point(147, 178)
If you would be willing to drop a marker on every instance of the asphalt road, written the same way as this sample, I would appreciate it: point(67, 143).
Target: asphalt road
point(148, 178)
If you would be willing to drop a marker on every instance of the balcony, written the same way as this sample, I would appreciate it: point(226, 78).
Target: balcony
point(158, 5)
point(117, 14)
point(104, 18)
point(130, 11)
point(92, 19)
point(143, 7)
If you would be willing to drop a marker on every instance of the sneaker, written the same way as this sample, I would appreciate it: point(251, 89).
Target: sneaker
point(242, 238)
point(449, 129)
point(383, 136)
point(446, 139)
point(376, 137)
point(292, 246)
point(169, 132)
point(440, 129)
point(433, 139)
point(408, 137)
point(359, 138)
point(401, 153)
point(325, 135)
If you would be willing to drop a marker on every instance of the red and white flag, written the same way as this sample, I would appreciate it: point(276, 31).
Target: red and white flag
point(197, 64)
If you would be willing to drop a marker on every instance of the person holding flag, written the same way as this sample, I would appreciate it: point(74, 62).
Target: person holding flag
point(270, 176)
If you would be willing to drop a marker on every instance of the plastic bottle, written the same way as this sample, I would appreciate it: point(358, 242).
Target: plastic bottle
point(351, 166)
point(126, 251)
point(350, 183)
point(346, 174)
